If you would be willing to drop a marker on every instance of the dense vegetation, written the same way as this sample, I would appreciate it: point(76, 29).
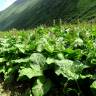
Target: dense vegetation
point(52, 61)
point(30, 13)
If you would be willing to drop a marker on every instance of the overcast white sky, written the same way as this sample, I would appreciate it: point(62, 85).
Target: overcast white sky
point(5, 3)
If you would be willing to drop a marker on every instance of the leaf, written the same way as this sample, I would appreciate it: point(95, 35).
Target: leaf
point(59, 46)
point(21, 47)
point(72, 54)
point(38, 59)
point(30, 72)
point(41, 87)
point(50, 60)
point(93, 61)
point(93, 85)
point(69, 69)
point(60, 56)
point(78, 42)
point(2, 60)
point(93, 88)
point(40, 48)
point(20, 60)
point(49, 47)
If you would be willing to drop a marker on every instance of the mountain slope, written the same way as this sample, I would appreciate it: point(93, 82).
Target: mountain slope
point(30, 13)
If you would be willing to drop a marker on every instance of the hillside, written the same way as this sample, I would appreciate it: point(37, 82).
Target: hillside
point(30, 13)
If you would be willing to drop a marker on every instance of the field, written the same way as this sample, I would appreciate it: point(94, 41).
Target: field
point(49, 61)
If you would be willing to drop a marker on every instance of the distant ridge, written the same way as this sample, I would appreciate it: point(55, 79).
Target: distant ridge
point(31, 13)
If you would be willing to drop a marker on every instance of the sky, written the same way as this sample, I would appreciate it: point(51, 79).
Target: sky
point(5, 3)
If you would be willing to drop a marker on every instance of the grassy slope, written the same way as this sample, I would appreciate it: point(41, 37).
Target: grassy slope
point(87, 8)
point(30, 13)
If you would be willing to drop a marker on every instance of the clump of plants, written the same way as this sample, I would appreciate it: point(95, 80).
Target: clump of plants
point(54, 61)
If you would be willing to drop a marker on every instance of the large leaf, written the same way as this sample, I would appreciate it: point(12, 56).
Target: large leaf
point(41, 87)
point(69, 69)
point(30, 72)
point(93, 88)
point(38, 59)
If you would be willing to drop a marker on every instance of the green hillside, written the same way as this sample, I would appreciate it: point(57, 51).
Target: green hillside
point(30, 13)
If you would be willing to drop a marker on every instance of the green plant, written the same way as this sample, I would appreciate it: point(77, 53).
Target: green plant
point(58, 62)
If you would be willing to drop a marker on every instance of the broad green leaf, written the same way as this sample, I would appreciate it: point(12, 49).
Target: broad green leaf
point(69, 69)
point(40, 48)
point(21, 47)
point(2, 60)
point(49, 47)
point(38, 59)
point(93, 85)
point(72, 54)
point(30, 72)
point(60, 56)
point(45, 44)
point(93, 88)
point(41, 87)
point(50, 60)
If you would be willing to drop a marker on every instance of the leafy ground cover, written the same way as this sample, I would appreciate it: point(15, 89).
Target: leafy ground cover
point(49, 61)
